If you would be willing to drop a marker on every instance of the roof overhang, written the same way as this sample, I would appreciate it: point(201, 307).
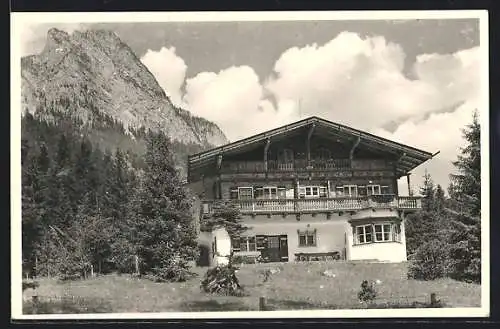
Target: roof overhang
point(408, 157)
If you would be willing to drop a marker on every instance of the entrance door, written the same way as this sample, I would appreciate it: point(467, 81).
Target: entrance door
point(273, 248)
point(284, 248)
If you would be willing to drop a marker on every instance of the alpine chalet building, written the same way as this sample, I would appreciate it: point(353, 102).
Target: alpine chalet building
point(310, 190)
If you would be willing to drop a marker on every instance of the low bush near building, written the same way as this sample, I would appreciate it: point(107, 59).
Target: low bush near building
point(367, 293)
point(429, 261)
point(222, 280)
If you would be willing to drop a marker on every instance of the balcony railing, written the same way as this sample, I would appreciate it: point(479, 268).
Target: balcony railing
point(304, 165)
point(326, 204)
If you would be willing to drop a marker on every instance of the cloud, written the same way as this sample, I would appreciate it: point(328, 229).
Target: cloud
point(168, 69)
point(233, 98)
point(360, 82)
point(439, 132)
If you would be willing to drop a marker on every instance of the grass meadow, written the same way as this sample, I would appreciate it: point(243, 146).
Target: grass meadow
point(297, 286)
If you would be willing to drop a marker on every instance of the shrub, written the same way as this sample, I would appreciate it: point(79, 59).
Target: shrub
point(175, 271)
point(429, 261)
point(367, 293)
point(28, 284)
point(222, 280)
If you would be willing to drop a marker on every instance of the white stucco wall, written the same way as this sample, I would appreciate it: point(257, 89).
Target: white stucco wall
point(331, 236)
point(223, 245)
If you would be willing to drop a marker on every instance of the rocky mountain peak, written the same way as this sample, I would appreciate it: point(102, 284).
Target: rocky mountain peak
point(93, 71)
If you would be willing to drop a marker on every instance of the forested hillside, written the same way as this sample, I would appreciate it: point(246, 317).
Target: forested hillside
point(86, 209)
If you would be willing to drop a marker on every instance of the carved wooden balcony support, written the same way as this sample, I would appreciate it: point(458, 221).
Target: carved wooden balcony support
point(218, 183)
point(308, 145)
point(266, 149)
point(408, 182)
point(351, 153)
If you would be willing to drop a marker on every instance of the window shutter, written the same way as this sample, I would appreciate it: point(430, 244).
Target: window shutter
point(261, 242)
point(235, 244)
point(233, 193)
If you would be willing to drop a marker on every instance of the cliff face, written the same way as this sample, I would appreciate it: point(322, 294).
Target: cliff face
point(93, 73)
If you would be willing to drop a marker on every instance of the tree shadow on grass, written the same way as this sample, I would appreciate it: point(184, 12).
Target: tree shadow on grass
point(281, 304)
point(275, 305)
point(67, 306)
point(213, 306)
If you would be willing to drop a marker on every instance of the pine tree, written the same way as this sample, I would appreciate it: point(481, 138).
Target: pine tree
point(165, 225)
point(439, 199)
point(421, 226)
point(427, 191)
point(465, 193)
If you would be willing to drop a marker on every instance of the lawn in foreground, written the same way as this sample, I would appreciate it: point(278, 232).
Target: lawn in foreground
point(296, 286)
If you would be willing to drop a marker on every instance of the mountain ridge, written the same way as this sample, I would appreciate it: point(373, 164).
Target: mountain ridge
point(93, 72)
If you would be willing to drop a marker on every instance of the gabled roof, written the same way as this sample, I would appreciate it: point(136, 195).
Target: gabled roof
point(410, 157)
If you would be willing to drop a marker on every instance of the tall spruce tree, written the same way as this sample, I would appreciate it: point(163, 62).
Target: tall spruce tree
point(420, 227)
point(427, 191)
point(165, 227)
point(465, 209)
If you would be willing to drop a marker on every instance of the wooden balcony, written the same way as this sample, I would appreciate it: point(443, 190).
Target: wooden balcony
point(304, 165)
point(255, 206)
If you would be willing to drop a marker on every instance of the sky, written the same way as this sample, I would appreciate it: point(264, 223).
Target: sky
point(413, 81)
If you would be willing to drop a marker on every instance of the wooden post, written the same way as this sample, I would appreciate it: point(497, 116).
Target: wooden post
point(308, 145)
point(36, 267)
point(136, 264)
point(91, 270)
point(262, 303)
point(433, 299)
point(409, 185)
point(34, 298)
point(266, 149)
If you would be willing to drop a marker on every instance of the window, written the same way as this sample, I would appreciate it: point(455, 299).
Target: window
point(362, 190)
point(396, 232)
point(245, 193)
point(350, 190)
point(270, 192)
point(312, 191)
point(248, 244)
point(373, 189)
point(383, 232)
point(307, 238)
point(206, 208)
point(364, 234)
